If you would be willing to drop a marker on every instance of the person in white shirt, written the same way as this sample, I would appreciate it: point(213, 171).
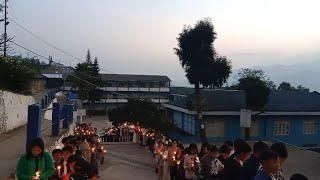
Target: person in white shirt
point(191, 163)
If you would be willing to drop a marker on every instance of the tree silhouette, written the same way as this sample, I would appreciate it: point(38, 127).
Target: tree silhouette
point(202, 65)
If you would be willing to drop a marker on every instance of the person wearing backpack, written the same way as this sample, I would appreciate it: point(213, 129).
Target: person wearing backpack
point(36, 163)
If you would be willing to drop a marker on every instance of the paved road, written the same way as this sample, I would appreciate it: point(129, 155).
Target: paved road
point(124, 161)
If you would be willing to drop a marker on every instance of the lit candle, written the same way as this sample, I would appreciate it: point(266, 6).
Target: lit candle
point(164, 157)
point(59, 167)
point(93, 149)
point(37, 175)
point(173, 158)
point(178, 162)
point(197, 159)
point(104, 151)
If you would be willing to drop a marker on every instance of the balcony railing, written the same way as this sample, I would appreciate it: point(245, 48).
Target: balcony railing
point(135, 89)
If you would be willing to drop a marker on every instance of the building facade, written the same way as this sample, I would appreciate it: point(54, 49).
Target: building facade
point(292, 117)
point(118, 88)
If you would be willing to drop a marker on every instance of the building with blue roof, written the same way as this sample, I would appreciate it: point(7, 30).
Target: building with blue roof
point(289, 116)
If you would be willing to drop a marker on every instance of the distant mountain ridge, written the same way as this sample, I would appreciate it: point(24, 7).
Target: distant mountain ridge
point(306, 74)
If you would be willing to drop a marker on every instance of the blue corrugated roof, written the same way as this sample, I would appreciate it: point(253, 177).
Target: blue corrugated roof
point(286, 101)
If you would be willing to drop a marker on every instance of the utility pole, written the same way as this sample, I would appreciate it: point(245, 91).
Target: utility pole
point(5, 29)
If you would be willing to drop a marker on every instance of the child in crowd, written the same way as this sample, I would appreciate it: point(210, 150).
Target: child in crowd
point(230, 144)
point(211, 167)
point(203, 150)
point(58, 163)
point(67, 151)
point(224, 152)
point(36, 163)
point(191, 163)
point(270, 165)
point(233, 166)
point(281, 149)
point(252, 165)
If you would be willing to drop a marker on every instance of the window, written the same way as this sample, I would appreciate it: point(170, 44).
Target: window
point(310, 126)
point(281, 127)
point(215, 126)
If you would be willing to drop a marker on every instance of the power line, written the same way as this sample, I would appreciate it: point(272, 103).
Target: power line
point(20, 33)
point(46, 42)
point(30, 50)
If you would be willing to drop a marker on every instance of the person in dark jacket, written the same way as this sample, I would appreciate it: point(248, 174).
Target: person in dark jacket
point(224, 152)
point(252, 165)
point(233, 166)
point(270, 165)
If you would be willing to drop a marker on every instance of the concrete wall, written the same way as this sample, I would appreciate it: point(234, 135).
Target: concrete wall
point(13, 110)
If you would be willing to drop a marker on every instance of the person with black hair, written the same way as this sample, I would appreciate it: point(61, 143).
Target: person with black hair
point(36, 163)
point(58, 163)
point(65, 141)
point(210, 167)
point(298, 177)
point(252, 165)
point(72, 160)
point(203, 150)
point(67, 151)
point(191, 162)
point(282, 151)
point(270, 165)
point(233, 166)
point(231, 146)
point(73, 143)
point(224, 152)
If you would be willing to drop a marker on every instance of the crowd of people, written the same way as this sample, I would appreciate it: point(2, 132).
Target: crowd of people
point(79, 158)
point(232, 161)
point(82, 154)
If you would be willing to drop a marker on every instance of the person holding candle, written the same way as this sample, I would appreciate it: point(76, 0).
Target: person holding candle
point(165, 162)
point(172, 158)
point(158, 155)
point(58, 163)
point(35, 164)
point(72, 160)
point(191, 164)
point(85, 148)
point(211, 167)
point(67, 152)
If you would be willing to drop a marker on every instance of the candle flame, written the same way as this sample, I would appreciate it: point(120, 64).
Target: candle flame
point(37, 173)
point(59, 167)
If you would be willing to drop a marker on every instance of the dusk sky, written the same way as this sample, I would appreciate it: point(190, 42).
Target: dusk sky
point(138, 36)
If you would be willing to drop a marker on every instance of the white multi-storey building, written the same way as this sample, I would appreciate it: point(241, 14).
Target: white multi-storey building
point(118, 88)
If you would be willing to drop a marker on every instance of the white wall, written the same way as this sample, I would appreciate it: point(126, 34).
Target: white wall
point(13, 110)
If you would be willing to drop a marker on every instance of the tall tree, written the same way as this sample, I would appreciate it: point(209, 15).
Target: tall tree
point(285, 86)
point(257, 88)
point(88, 57)
point(202, 65)
point(256, 73)
point(87, 80)
point(301, 88)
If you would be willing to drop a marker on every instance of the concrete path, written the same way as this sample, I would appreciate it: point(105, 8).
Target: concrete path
point(128, 162)
point(123, 160)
